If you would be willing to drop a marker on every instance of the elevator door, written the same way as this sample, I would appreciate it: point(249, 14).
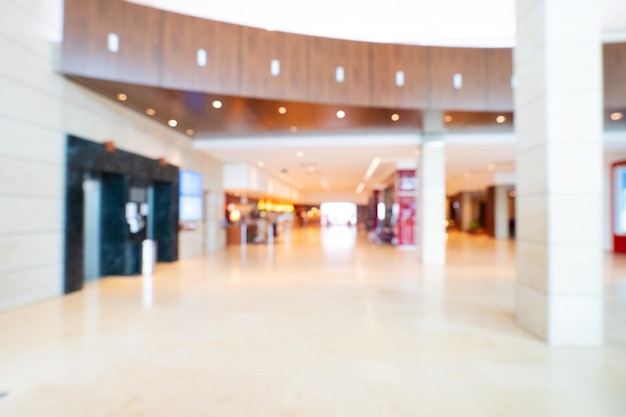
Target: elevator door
point(91, 230)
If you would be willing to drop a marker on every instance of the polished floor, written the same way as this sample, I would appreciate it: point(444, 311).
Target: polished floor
point(325, 325)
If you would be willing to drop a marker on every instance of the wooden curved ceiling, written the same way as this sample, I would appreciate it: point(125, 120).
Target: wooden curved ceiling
point(240, 116)
point(156, 68)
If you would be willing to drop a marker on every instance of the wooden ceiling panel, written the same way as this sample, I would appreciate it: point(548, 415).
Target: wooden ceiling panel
point(239, 116)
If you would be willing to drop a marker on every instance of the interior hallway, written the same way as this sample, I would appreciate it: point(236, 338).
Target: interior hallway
point(318, 327)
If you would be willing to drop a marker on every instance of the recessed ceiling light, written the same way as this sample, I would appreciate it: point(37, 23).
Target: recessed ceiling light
point(447, 118)
point(172, 123)
point(341, 114)
point(282, 110)
point(395, 117)
point(300, 154)
point(150, 112)
point(617, 116)
point(294, 129)
point(122, 97)
point(270, 28)
point(190, 132)
point(500, 119)
point(217, 104)
point(261, 164)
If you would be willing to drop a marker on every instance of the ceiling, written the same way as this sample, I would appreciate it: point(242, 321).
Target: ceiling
point(336, 153)
point(312, 149)
point(480, 23)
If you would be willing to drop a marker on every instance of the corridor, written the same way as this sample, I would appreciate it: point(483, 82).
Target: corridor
point(322, 323)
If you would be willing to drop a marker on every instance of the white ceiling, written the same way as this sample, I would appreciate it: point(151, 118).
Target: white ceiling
point(471, 160)
point(343, 160)
point(417, 22)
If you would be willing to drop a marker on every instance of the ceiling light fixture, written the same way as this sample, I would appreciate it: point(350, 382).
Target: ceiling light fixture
point(370, 170)
point(360, 188)
point(190, 132)
point(113, 42)
point(500, 119)
point(172, 123)
point(447, 118)
point(217, 104)
point(122, 97)
point(282, 110)
point(311, 168)
point(294, 129)
point(617, 116)
point(399, 78)
point(395, 117)
point(300, 154)
point(150, 112)
point(457, 81)
point(260, 164)
point(341, 114)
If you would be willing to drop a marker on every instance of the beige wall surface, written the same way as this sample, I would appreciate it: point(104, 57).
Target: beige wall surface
point(38, 108)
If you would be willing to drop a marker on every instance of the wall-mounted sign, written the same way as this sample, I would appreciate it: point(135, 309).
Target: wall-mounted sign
point(191, 193)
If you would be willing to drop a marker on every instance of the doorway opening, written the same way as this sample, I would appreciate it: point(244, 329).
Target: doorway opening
point(338, 214)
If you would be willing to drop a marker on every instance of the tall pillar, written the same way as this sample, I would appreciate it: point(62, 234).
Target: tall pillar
point(501, 222)
point(432, 191)
point(498, 211)
point(467, 210)
point(558, 111)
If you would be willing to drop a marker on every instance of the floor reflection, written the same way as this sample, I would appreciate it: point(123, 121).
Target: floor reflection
point(330, 325)
point(338, 238)
point(147, 290)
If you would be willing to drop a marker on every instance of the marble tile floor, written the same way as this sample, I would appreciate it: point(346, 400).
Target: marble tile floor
point(326, 325)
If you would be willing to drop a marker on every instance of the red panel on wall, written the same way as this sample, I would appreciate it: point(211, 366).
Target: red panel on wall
point(406, 186)
point(618, 206)
point(406, 220)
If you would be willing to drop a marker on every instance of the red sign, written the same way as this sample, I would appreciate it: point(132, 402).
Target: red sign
point(406, 220)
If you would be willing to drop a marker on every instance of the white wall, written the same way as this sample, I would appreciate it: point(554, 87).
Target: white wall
point(245, 178)
point(330, 197)
point(38, 108)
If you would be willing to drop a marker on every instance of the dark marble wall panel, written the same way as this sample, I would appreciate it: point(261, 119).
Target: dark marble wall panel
point(164, 206)
point(113, 226)
point(83, 157)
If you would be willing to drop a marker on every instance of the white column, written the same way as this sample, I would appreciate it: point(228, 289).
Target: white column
point(432, 191)
point(467, 210)
point(558, 111)
point(501, 212)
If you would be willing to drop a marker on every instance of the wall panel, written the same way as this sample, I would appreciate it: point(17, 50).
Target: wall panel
point(387, 60)
point(471, 64)
point(614, 75)
point(87, 26)
point(499, 73)
point(325, 55)
point(258, 48)
point(183, 36)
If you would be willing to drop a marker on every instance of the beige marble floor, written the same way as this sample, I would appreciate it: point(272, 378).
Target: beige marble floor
point(319, 327)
